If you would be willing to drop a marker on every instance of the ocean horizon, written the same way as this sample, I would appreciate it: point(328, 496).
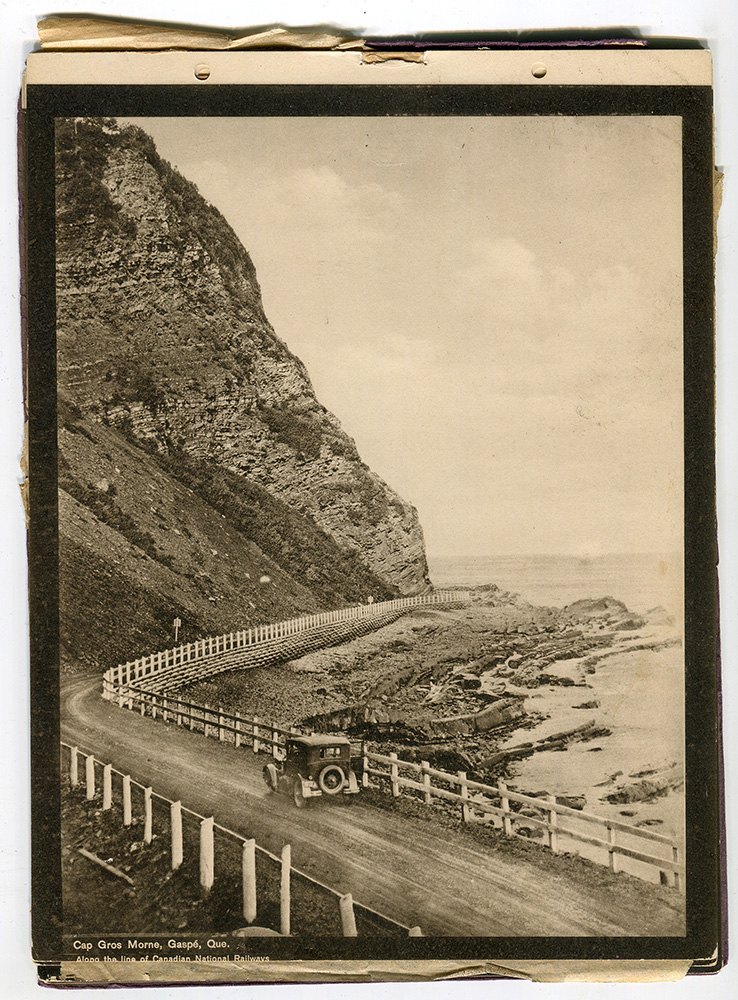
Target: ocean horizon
point(641, 580)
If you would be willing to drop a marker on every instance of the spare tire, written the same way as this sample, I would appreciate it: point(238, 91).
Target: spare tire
point(332, 780)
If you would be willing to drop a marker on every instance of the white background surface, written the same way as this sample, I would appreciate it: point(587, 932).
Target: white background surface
point(716, 22)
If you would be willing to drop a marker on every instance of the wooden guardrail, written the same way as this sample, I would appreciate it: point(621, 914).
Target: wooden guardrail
point(266, 643)
point(499, 801)
point(93, 770)
point(474, 798)
point(228, 727)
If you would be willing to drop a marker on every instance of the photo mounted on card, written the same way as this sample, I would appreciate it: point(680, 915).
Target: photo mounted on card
point(372, 520)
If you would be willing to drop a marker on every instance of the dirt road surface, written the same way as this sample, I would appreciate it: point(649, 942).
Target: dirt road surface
point(444, 882)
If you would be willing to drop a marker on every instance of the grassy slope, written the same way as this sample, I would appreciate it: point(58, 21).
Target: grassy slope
point(146, 539)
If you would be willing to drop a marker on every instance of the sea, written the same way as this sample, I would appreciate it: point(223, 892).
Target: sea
point(641, 580)
point(639, 694)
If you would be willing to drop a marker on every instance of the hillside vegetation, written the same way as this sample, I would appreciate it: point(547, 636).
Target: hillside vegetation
point(199, 476)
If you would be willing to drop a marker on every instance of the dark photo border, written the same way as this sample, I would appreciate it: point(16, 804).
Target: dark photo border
point(704, 894)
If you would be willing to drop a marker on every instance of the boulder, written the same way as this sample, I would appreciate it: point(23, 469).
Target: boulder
point(456, 725)
point(572, 801)
point(497, 714)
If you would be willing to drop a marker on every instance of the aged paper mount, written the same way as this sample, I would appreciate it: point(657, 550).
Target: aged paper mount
point(562, 957)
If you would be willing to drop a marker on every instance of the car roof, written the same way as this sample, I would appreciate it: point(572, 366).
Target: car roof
point(320, 740)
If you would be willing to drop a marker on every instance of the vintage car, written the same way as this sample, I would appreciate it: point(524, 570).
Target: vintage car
point(314, 765)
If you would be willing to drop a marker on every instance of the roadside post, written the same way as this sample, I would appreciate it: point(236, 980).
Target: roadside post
point(249, 881)
point(284, 895)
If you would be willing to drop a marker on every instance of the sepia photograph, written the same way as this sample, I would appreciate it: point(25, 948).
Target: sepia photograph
point(372, 520)
point(372, 429)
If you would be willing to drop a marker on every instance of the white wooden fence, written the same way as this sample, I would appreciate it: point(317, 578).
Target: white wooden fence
point(476, 800)
point(263, 644)
point(208, 829)
point(499, 802)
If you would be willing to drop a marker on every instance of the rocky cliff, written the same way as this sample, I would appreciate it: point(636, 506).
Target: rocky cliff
point(162, 338)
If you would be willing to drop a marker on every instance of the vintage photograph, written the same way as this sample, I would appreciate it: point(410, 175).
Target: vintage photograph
point(371, 529)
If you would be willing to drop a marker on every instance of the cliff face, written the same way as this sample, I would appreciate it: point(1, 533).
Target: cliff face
point(162, 336)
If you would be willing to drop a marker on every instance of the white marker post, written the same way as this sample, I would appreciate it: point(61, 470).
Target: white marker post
point(175, 812)
point(127, 811)
point(90, 777)
point(207, 855)
point(177, 627)
point(107, 787)
point(348, 919)
point(148, 817)
point(249, 881)
point(284, 895)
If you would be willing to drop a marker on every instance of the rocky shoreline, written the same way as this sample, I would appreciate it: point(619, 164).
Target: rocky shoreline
point(461, 688)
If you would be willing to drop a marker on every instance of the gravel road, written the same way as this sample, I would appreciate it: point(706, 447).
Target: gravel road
point(442, 881)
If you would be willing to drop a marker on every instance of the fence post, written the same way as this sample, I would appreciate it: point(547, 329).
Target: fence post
point(175, 813)
point(153, 706)
point(179, 712)
point(611, 848)
point(107, 786)
point(148, 817)
point(553, 818)
point(73, 767)
point(284, 893)
point(427, 798)
point(237, 734)
point(127, 811)
point(255, 733)
point(364, 765)
point(165, 708)
point(221, 730)
point(191, 710)
point(348, 920)
point(675, 859)
point(90, 776)
point(207, 854)
point(206, 719)
point(464, 792)
point(275, 743)
point(143, 705)
point(505, 803)
point(394, 774)
point(249, 880)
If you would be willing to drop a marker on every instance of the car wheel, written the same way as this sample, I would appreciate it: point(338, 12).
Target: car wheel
point(270, 776)
point(331, 780)
point(299, 798)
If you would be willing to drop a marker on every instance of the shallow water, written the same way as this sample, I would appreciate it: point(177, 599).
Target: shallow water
point(641, 701)
point(640, 692)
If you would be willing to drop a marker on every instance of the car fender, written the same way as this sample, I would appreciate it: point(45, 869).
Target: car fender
point(271, 776)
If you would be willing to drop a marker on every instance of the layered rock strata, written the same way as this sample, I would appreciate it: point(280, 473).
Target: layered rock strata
point(162, 334)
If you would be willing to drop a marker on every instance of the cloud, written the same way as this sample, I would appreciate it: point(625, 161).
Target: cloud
point(504, 280)
point(495, 262)
point(323, 200)
point(538, 328)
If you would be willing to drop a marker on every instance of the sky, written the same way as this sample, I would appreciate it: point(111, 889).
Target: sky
point(490, 306)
